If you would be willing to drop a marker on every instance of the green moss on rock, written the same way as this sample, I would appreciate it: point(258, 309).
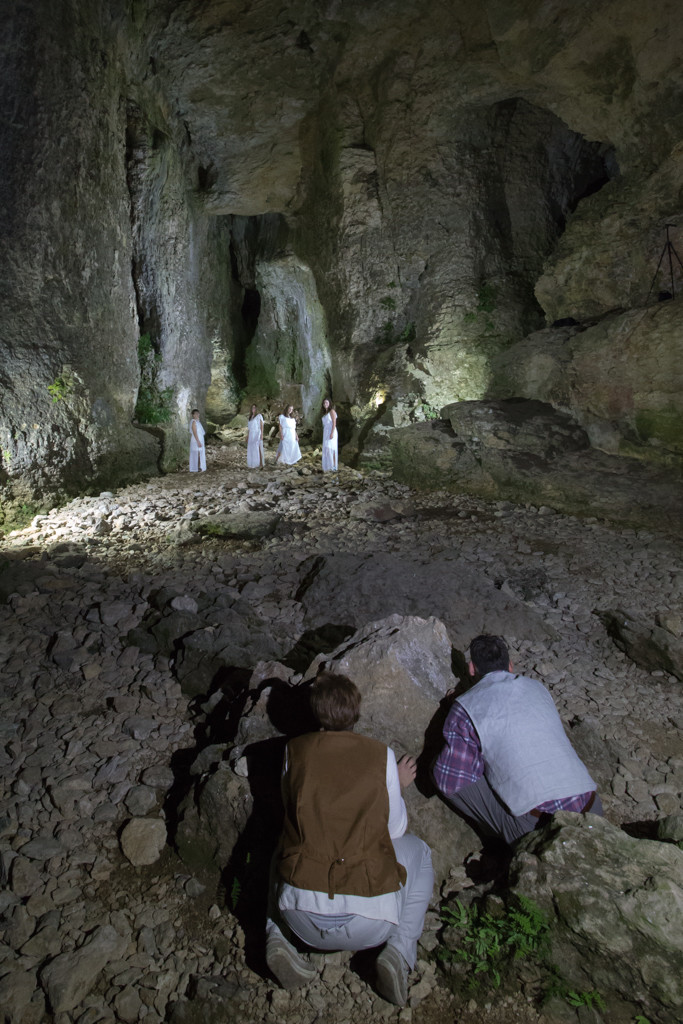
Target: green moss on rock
point(662, 425)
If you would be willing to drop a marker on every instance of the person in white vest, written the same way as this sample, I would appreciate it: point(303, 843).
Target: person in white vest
point(507, 763)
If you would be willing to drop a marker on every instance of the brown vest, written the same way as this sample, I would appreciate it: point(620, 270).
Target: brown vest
point(335, 837)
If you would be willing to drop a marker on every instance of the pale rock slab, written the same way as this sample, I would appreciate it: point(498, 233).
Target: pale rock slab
point(143, 839)
point(70, 976)
point(616, 906)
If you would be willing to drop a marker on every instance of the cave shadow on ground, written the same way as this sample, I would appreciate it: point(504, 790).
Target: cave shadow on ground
point(246, 878)
point(314, 642)
point(433, 734)
point(216, 726)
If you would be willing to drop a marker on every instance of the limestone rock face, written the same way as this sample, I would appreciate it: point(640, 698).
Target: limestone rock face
point(68, 373)
point(375, 200)
point(614, 905)
point(402, 666)
point(526, 451)
point(621, 379)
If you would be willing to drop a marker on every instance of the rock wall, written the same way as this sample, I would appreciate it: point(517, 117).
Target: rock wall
point(68, 370)
point(621, 379)
point(443, 180)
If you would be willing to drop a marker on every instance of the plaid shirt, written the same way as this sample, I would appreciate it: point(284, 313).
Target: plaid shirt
point(461, 762)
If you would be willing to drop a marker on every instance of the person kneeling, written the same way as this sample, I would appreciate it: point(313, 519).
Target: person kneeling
point(506, 764)
point(346, 875)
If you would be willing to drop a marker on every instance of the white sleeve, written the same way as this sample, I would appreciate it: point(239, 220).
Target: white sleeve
point(398, 816)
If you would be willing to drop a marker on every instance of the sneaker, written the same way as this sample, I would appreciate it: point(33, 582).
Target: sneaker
point(290, 969)
point(392, 976)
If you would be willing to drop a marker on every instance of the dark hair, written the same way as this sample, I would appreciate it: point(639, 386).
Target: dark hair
point(489, 654)
point(335, 701)
point(252, 414)
point(323, 410)
point(287, 408)
point(194, 411)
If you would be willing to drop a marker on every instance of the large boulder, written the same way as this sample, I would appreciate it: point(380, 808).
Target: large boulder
point(525, 451)
point(652, 645)
point(402, 666)
point(369, 587)
point(621, 379)
point(616, 909)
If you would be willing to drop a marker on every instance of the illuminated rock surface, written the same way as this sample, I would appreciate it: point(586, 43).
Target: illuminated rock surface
point(95, 723)
point(381, 200)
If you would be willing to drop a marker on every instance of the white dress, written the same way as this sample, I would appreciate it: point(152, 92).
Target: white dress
point(197, 454)
point(255, 456)
point(289, 448)
point(329, 443)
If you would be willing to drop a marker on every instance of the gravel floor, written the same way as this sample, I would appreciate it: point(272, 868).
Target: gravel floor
point(90, 725)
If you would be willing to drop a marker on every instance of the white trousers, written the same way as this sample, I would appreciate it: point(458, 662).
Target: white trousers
point(351, 931)
point(197, 457)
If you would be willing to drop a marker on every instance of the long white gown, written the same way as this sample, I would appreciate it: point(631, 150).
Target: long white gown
point(197, 454)
point(255, 455)
point(329, 443)
point(289, 447)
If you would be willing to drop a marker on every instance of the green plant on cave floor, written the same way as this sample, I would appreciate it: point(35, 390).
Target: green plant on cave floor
point(7, 456)
point(389, 334)
point(486, 298)
point(591, 999)
point(238, 884)
point(388, 302)
point(60, 387)
point(18, 516)
point(486, 305)
point(429, 411)
point(490, 942)
point(153, 405)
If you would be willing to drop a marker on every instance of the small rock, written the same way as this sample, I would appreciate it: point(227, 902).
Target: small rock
point(667, 803)
point(158, 776)
point(127, 1004)
point(140, 800)
point(70, 976)
point(637, 789)
point(143, 839)
point(185, 603)
point(16, 990)
point(42, 849)
point(139, 727)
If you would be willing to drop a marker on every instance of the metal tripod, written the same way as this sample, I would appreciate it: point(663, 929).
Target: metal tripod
point(670, 251)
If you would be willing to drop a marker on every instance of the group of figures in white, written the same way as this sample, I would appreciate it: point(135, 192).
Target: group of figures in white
point(288, 452)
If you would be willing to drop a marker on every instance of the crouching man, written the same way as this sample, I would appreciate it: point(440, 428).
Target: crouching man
point(507, 763)
point(346, 874)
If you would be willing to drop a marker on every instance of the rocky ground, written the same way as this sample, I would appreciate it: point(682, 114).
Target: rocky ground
point(95, 729)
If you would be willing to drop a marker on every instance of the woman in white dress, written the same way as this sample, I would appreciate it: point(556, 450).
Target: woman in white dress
point(289, 451)
point(255, 456)
point(330, 435)
point(197, 448)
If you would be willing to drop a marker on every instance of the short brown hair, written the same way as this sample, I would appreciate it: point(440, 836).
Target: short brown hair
point(335, 701)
